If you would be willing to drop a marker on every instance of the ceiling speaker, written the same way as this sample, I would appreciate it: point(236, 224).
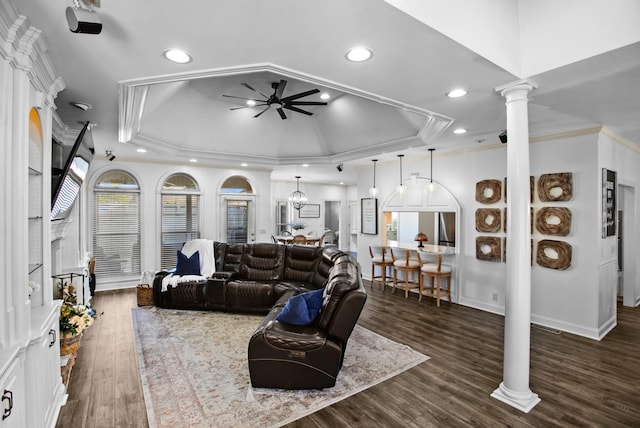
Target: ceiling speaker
point(83, 21)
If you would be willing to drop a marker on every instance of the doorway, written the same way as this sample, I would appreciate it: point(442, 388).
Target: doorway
point(627, 247)
point(239, 220)
point(331, 223)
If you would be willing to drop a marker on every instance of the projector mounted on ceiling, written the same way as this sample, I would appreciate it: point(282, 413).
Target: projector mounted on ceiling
point(81, 20)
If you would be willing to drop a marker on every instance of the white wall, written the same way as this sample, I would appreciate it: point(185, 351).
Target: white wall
point(150, 178)
point(580, 299)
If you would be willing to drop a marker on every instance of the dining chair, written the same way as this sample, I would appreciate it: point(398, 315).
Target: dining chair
point(435, 271)
point(381, 258)
point(407, 262)
point(299, 239)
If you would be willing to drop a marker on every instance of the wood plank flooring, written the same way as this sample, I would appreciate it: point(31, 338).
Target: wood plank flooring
point(582, 382)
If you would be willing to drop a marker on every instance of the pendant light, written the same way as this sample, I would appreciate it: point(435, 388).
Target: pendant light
point(373, 191)
point(400, 187)
point(431, 185)
point(298, 199)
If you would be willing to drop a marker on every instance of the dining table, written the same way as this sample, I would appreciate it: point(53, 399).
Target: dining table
point(311, 240)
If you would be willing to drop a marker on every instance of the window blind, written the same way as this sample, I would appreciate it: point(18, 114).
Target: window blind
point(180, 223)
point(116, 234)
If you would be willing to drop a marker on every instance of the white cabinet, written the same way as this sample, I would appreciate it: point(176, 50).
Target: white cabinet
point(42, 367)
point(13, 399)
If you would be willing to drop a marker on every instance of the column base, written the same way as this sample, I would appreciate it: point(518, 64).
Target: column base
point(524, 402)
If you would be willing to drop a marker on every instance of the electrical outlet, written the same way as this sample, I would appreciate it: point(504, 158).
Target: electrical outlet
point(495, 297)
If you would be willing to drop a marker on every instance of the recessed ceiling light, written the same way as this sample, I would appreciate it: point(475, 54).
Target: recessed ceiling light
point(456, 93)
point(342, 183)
point(325, 96)
point(193, 160)
point(359, 54)
point(251, 103)
point(81, 105)
point(459, 131)
point(305, 165)
point(141, 150)
point(244, 164)
point(177, 55)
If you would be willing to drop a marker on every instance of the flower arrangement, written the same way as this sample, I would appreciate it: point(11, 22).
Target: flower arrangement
point(75, 318)
point(298, 225)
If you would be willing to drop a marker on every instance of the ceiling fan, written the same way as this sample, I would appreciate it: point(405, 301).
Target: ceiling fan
point(278, 102)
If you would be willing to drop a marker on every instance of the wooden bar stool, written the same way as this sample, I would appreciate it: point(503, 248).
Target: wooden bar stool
point(407, 262)
point(436, 272)
point(380, 257)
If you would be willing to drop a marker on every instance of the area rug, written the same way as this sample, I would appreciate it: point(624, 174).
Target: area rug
point(195, 373)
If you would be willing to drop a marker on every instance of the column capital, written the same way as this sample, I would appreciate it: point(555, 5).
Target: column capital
point(527, 85)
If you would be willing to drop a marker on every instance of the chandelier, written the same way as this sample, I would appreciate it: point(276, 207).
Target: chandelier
point(298, 199)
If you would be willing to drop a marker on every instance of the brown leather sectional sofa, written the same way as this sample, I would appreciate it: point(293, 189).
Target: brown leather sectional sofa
point(260, 278)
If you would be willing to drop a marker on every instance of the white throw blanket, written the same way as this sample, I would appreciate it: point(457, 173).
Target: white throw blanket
point(207, 263)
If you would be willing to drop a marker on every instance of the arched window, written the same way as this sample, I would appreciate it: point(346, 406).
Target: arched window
point(238, 206)
point(180, 216)
point(116, 225)
point(236, 184)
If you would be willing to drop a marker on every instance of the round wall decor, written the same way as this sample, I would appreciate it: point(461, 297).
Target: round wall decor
point(555, 187)
point(488, 220)
point(488, 191)
point(489, 248)
point(554, 221)
point(553, 254)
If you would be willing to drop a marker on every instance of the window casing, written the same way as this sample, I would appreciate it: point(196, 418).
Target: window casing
point(180, 212)
point(116, 226)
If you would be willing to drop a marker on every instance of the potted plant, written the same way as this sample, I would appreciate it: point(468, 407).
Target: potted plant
point(298, 226)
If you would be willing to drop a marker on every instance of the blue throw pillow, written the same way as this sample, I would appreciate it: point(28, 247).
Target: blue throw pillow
point(188, 265)
point(302, 309)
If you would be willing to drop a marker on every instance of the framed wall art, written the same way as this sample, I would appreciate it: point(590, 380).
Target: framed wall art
point(608, 203)
point(369, 216)
point(310, 211)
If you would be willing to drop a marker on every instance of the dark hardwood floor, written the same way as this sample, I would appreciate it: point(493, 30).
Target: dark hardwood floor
point(582, 382)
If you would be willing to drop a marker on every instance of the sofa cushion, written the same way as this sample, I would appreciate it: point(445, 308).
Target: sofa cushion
point(301, 262)
point(188, 265)
point(344, 278)
point(302, 309)
point(262, 262)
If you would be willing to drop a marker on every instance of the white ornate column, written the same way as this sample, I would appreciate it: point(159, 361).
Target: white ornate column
point(514, 388)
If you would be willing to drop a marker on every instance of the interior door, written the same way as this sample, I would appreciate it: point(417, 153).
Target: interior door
point(239, 220)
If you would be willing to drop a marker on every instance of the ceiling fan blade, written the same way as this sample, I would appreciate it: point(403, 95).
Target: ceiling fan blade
point(238, 108)
point(300, 95)
point(280, 88)
point(258, 115)
point(307, 103)
point(281, 113)
point(240, 98)
point(290, 107)
point(246, 85)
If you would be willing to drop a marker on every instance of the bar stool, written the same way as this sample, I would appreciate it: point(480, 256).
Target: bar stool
point(436, 272)
point(407, 262)
point(380, 257)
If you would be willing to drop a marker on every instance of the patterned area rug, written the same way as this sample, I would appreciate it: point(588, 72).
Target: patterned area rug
point(194, 371)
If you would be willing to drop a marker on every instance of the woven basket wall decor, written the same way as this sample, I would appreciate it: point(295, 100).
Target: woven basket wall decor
point(488, 220)
point(554, 221)
point(553, 254)
point(555, 187)
point(489, 248)
point(488, 191)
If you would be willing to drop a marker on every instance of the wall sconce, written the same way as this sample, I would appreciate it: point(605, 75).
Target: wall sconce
point(373, 191)
point(400, 187)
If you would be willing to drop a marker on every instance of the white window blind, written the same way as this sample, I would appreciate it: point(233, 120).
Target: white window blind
point(180, 223)
point(116, 232)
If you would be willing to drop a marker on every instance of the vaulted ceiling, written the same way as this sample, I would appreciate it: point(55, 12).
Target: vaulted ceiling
point(393, 103)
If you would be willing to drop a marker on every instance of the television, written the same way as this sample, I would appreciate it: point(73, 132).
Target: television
point(69, 167)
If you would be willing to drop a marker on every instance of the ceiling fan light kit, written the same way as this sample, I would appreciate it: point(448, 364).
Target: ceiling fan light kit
point(277, 101)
